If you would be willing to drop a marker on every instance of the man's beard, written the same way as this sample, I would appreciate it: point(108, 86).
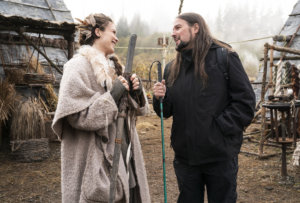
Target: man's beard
point(181, 46)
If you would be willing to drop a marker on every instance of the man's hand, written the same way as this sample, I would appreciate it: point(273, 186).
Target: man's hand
point(159, 89)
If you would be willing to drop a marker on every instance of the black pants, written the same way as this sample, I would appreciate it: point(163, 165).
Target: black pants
point(219, 179)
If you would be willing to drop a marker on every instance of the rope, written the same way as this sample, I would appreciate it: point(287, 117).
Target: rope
point(159, 48)
point(150, 48)
point(180, 7)
point(250, 40)
point(274, 77)
point(278, 78)
point(287, 73)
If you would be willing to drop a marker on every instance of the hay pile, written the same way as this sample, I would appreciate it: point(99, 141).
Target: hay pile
point(7, 101)
point(27, 133)
point(27, 121)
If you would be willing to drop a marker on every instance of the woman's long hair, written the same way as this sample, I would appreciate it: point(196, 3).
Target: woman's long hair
point(201, 45)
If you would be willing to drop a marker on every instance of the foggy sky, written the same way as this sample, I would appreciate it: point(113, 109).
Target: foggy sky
point(159, 14)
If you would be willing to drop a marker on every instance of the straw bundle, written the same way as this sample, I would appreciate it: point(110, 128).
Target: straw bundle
point(27, 133)
point(27, 121)
point(7, 99)
point(51, 96)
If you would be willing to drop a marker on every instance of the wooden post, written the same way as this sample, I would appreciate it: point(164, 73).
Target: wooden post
point(0, 134)
point(70, 46)
point(271, 72)
point(262, 99)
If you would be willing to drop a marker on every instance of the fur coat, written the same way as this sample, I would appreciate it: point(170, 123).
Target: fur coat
point(85, 122)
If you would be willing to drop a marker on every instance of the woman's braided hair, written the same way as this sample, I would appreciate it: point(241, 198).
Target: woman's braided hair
point(87, 34)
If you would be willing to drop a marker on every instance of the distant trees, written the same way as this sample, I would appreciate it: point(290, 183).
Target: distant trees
point(123, 27)
point(136, 26)
point(236, 23)
point(240, 22)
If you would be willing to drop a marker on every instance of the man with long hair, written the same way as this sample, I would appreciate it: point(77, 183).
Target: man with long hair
point(209, 95)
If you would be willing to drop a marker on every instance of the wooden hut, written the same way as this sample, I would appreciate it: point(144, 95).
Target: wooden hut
point(36, 39)
point(279, 94)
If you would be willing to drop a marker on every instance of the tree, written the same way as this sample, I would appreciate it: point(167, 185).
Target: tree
point(122, 27)
point(137, 26)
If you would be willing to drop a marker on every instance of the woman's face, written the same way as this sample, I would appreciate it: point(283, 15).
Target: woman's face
point(108, 39)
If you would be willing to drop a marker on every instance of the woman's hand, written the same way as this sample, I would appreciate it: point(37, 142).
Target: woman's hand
point(124, 82)
point(136, 85)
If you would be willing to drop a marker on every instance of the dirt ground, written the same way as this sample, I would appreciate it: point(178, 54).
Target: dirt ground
point(258, 180)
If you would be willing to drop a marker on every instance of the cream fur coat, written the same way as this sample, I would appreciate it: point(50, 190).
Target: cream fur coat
point(85, 121)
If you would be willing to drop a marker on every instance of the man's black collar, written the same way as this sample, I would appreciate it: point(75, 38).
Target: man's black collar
point(187, 54)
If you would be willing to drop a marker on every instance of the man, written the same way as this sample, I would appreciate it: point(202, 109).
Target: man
point(211, 102)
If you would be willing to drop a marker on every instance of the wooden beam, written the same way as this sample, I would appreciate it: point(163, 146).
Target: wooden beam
point(48, 31)
point(42, 53)
point(283, 49)
point(13, 23)
point(295, 14)
point(285, 58)
point(7, 38)
point(50, 7)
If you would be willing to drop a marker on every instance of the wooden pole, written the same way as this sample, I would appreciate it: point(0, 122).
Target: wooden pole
point(0, 134)
point(51, 9)
point(70, 41)
point(271, 72)
point(262, 99)
point(286, 58)
point(284, 49)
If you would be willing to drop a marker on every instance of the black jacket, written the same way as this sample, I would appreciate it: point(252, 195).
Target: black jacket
point(208, 123)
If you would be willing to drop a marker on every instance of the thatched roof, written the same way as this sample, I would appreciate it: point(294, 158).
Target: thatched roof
point(51, 16)
point(289, 28)
point(47, 10)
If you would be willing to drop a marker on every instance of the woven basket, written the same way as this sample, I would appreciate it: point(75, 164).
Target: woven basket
point(31, 150)
point(36, 78)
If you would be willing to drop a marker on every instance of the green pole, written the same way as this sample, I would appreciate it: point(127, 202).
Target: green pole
point(163, 149)
point(162, 134)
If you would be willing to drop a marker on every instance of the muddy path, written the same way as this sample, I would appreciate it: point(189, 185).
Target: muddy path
point(258, 180)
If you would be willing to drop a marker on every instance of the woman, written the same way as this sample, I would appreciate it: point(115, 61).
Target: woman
point(85, 120)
